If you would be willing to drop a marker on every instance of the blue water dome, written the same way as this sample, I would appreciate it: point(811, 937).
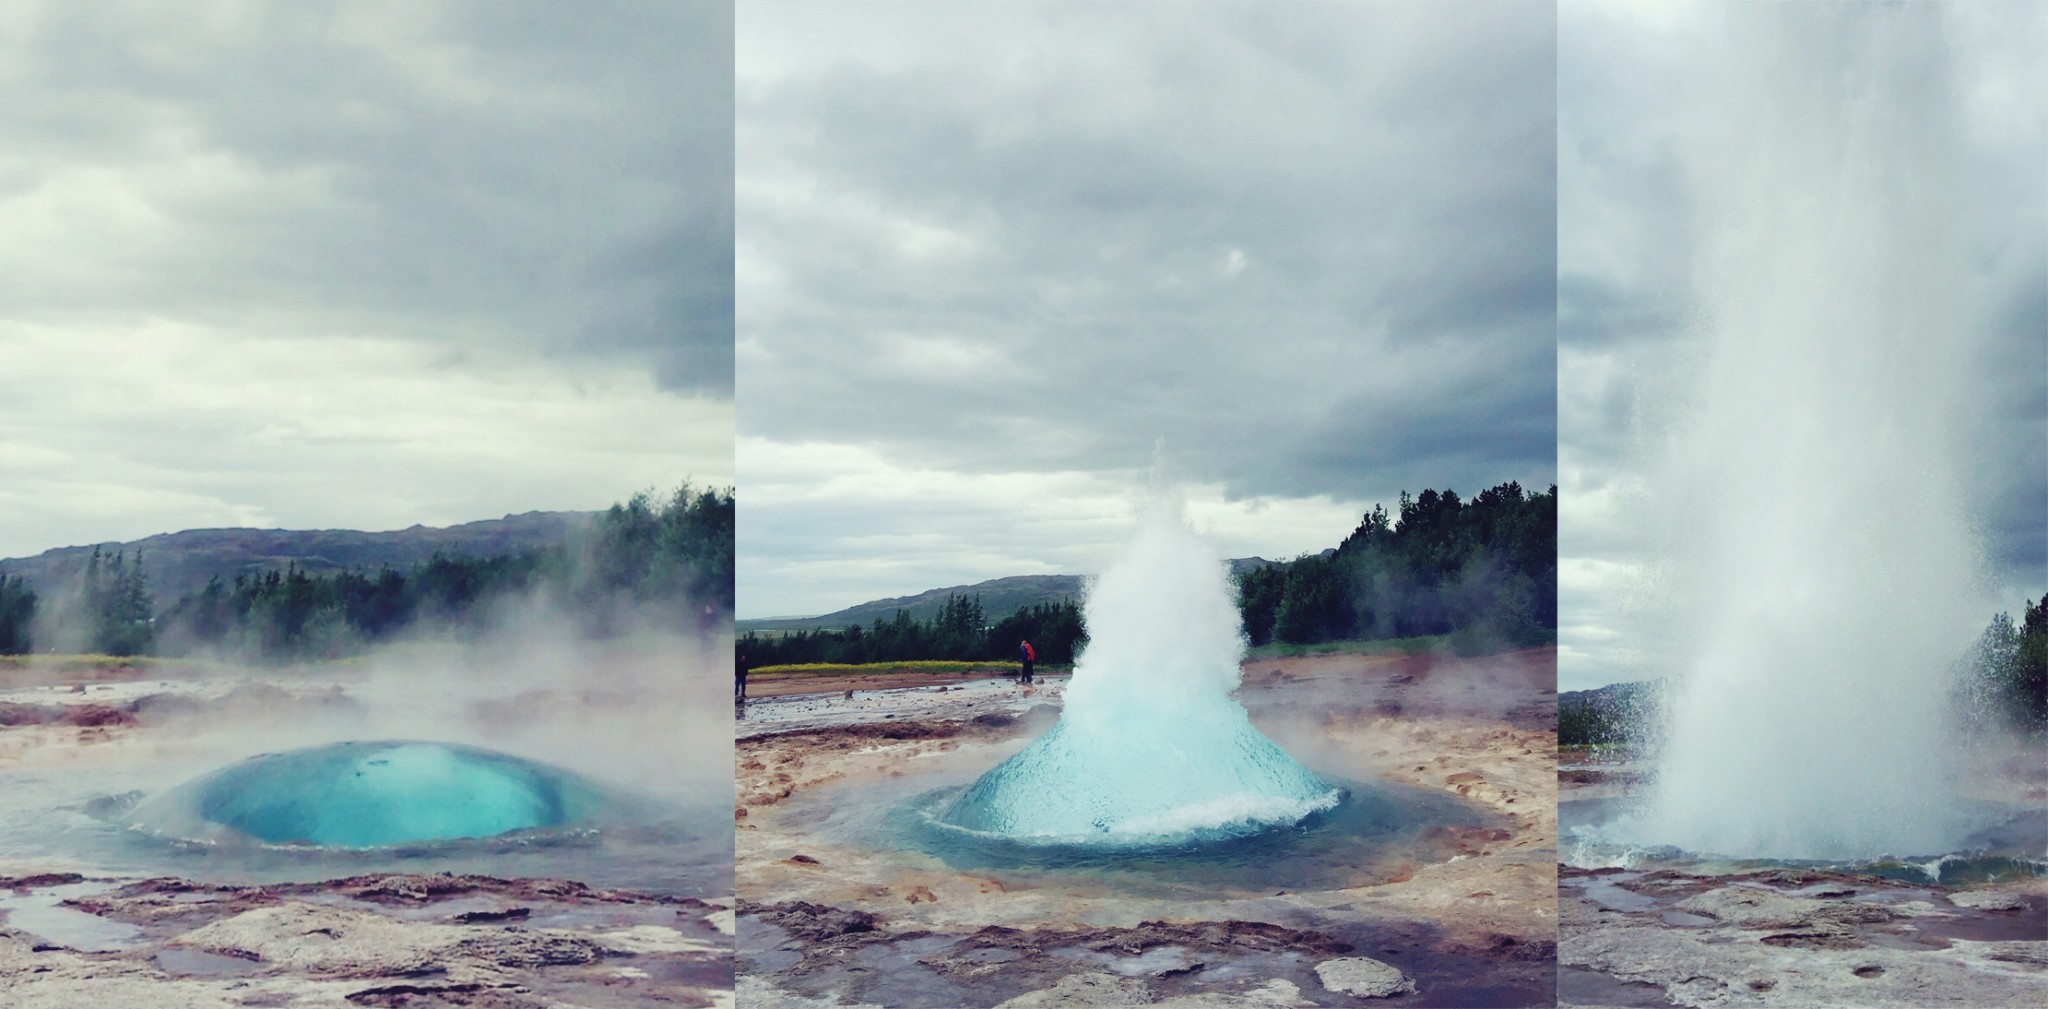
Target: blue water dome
point(1195, 774)
point(374, 795)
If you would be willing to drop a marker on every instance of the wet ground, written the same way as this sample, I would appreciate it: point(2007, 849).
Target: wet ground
point(92, 913)
point(833, 914)
point(1664, 928)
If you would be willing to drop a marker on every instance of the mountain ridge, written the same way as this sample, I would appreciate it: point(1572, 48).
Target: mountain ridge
point(180, 563)
point(1000, 597)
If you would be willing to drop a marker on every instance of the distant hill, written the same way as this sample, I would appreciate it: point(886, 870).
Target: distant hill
point(1000, 597)
point(178, 564)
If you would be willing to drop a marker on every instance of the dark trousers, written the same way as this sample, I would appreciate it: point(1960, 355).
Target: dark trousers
point(1027, 671)
point(739, 685)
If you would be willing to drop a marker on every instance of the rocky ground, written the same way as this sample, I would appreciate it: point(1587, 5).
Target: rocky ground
point(1787, 937)
point(392, 941)
point(73, 936)
point(1784, 938)
point(826, 921)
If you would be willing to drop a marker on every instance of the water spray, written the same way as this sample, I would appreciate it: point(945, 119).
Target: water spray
point(1151, 747)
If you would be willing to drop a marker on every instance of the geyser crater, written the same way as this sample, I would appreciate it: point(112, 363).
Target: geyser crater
point(1153, 778)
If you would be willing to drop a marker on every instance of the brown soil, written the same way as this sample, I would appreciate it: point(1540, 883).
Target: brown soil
point(83, 716)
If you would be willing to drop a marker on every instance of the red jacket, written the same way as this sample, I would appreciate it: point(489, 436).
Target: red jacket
point(1029, 655)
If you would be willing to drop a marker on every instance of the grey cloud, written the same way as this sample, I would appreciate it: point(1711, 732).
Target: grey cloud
point(2014, 401)
point(359, 264)
point(1385, 174)
point(1379, 437)
point(1595, 310)
point(554, 177)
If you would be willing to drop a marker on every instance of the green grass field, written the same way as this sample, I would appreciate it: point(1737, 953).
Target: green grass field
point(75, 662)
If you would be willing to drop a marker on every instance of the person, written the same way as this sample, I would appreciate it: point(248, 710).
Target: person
point(739, 677)
point(1029, 655)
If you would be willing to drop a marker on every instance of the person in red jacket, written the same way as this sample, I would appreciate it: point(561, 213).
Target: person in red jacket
point(1025, 650)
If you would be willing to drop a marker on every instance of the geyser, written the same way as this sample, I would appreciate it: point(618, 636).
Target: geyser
point(375, 795)
point(1150, 748)
point(1819, 575)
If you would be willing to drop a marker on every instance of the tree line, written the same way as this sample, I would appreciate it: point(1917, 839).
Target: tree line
point(2000, 682)
point(1619, 714)
point(1483, 569)
point(668, 560)
point(2006, 674)
point(960, 630)
point(106, 609)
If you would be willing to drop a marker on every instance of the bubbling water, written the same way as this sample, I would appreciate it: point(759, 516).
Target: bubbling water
point(1150, 748)
point(1822, 574)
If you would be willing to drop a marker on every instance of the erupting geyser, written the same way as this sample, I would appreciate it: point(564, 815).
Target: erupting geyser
point(1150, 748)
point(1820, 566)
point(374, 795)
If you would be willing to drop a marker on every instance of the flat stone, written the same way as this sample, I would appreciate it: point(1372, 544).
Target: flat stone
point(329, 941)
point(1078, 991)
point(1988, 900)
point(1919, 909)
point(1278, 993)
point(1364, 977)
point(1752, 907)
point(2031, 952)
point(1726, 967)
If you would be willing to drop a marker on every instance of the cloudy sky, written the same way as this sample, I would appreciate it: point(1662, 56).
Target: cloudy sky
point(989, 256)
point(1643, 119)
point(358, 264)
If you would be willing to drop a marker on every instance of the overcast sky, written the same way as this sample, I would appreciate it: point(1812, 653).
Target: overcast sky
point(358, 264)
point(990, 255)
point(1637, 100)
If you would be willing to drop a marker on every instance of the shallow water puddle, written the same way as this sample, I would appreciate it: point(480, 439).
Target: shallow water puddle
point(1580, 986)
point(1608, 892)
point(1162, 960)
point(611, 915)
point(1685, 919)
point(180, 962)
point(41, 913)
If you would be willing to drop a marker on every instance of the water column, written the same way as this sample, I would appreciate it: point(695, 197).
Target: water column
point(1151, 747)
point(1821, 571)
